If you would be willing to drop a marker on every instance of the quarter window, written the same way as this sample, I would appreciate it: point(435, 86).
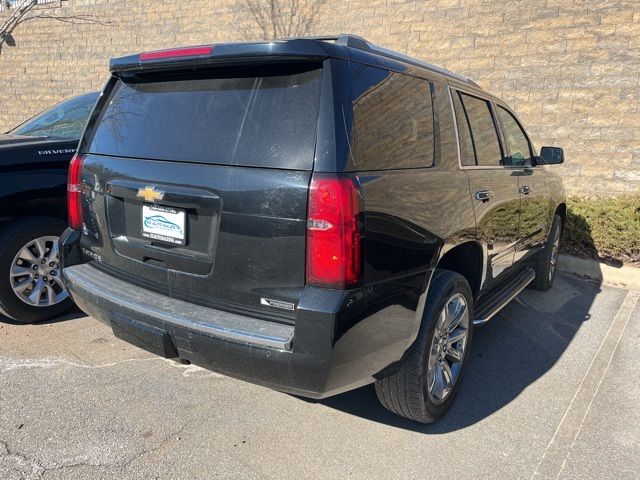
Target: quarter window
point(517, 141)
point(392, 120)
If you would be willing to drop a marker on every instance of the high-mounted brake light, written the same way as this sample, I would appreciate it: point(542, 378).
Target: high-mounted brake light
point(177, 52)
point(74, 192)
point(333, 237)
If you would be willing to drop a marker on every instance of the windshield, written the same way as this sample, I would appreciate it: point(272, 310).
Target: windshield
point(65, 120)
point(266, 119)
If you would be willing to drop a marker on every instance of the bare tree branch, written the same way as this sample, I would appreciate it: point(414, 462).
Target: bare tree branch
point(274, 17)
point(282, 18)
point(77, 19)
point(26, 11)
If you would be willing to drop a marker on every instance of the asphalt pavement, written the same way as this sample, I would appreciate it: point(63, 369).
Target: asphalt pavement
point(552, 391)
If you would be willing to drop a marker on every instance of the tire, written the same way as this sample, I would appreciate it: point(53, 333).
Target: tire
point(15, 237)
point(407, 392)
point(547, 260)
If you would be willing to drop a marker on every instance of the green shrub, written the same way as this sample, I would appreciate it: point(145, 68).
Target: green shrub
point(607, 229)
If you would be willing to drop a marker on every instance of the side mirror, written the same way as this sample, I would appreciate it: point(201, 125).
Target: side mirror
point(552, 155)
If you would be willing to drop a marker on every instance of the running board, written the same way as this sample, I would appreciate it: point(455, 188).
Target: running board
point(496, 300)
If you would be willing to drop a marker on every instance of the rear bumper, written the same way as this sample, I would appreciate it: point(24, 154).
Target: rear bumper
point(131, 302)
point(251, 349)
point(340, 341)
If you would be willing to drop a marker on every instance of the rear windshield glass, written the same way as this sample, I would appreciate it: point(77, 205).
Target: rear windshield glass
point(265, 120)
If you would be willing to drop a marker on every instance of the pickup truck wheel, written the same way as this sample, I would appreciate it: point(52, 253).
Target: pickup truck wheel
point(547, 259)
point(31, 289)
point(429, 377)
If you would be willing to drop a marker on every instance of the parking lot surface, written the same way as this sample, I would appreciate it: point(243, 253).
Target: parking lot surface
point(552, 391)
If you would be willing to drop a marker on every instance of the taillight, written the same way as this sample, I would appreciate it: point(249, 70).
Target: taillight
point(333, 237)
point(74, 192)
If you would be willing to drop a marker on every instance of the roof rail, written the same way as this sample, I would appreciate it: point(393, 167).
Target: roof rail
point(355, 41)
point(343, 39)
point(363, 44)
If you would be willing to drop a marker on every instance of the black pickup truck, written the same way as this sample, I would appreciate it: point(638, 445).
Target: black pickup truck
point(34, 158)
point(312, 215)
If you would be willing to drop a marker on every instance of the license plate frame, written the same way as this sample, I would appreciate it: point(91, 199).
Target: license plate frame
point(165, 224)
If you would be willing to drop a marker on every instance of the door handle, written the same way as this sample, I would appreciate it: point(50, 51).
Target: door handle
point(484, 195)
point(526, 190)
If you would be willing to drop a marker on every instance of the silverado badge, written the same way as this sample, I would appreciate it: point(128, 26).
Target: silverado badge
point(150, 194)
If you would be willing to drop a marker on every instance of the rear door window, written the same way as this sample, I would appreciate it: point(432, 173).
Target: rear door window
point(467, 153)
point(264, 119)
point(483, 130)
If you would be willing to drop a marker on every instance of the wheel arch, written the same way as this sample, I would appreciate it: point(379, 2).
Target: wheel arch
point(469, 260)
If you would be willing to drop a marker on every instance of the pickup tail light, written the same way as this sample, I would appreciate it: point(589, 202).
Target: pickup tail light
point(333, 236)
point(74, 192)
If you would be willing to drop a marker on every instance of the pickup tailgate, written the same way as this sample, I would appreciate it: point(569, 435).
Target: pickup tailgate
point(195, 185)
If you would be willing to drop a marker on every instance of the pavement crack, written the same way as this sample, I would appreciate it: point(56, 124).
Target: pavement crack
point(35, 469)
point(10, 364)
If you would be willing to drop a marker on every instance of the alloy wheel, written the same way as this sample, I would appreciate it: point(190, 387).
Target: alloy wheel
point(448, 348)
point(35, 273)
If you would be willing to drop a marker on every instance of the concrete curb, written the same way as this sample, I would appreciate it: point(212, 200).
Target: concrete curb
point(621, 276)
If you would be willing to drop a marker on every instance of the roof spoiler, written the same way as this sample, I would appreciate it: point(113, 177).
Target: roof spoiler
point(290, 49)
point(229, 53)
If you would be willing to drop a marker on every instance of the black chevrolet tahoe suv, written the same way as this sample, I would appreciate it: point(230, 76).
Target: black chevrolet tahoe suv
point(34, 158)
point(312, 215)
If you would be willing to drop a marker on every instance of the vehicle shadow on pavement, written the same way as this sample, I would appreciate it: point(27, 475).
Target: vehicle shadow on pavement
point(511, 352)
point(72, 315)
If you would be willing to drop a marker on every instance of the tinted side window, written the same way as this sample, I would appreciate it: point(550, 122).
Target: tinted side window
point(483, 131)
point(392, 120)
point(467, 155)
point(517, 142)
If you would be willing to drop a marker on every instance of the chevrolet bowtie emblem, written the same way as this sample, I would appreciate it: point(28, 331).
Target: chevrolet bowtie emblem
point(150, 194)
